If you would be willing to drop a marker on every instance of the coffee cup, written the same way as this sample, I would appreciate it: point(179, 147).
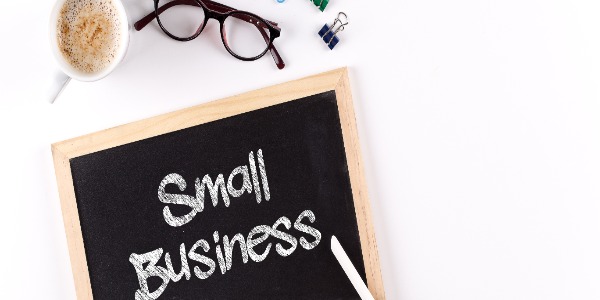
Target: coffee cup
point(88, 38)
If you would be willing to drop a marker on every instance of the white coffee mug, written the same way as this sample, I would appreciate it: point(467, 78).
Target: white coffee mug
point(67, 71)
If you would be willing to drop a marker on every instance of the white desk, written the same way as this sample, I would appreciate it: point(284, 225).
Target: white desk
point(479, 120)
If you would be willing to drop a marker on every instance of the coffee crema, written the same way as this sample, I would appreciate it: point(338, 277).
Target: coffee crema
point(88, 33)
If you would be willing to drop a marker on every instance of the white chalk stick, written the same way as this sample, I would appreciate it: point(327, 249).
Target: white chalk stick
point(349, 269)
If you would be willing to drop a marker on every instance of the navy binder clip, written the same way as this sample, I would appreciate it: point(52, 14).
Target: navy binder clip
point(329, 33)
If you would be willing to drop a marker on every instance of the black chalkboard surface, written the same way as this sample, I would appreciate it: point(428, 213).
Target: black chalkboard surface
point(239, 207)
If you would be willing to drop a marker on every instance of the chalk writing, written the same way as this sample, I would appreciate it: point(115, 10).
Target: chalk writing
point(257, 235)
point(285, 243)
point(197, 203)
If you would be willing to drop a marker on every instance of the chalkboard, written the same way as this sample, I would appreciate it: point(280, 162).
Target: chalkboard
point(235, 199)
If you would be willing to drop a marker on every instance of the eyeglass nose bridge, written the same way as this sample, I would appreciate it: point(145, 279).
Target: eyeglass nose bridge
point(210, 14)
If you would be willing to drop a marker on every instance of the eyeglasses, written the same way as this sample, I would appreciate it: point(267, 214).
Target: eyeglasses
point(245, 35)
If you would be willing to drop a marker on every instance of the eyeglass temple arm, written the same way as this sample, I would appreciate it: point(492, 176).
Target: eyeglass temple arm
point(274, 53)
point(214, 6)
point(139, 25)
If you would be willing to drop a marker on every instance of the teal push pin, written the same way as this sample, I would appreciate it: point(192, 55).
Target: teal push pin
point(321, 4)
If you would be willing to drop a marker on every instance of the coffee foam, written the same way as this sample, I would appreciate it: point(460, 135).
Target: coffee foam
point(88, 33)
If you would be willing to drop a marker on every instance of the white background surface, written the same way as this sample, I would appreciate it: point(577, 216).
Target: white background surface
point(479, 123)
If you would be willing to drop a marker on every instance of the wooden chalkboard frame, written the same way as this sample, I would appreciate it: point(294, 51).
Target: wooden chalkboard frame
point(336, 80)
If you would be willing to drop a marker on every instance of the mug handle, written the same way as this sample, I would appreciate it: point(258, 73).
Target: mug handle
point(58, 84)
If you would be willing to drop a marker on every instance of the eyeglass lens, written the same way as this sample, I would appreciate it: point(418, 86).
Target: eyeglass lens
point(181, 20)
point(243, 34)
